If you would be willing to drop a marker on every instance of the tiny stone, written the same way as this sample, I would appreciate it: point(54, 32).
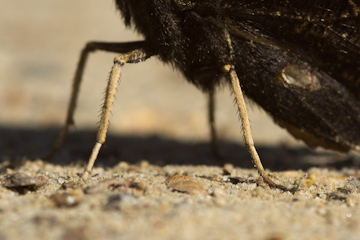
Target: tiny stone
point(23, 183)
point(77, 193)
point(337, 196)
point(144, 164)
point(177, 178)
point(122, 166)
point(216, 177)
point(104, 185)
point(71, 185)
point(64, 199)
point(352, 184)
point(312, 177)
point(61, 180)
point(113, 183)
point(118, 201)
point(185, 184)
point(260, 182)
point(258, 192)
point(310, 182)
point(50, 175)
point(228, 169)
point(138, 185)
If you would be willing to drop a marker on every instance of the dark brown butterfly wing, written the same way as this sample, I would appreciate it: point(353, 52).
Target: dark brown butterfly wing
point(301, 63)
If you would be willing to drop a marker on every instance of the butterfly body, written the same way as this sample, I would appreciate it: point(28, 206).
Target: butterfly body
point(300, 61)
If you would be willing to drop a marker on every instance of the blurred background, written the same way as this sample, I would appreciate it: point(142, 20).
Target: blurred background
point(40, 43)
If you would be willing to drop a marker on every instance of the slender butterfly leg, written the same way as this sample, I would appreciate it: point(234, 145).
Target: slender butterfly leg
point(90, 47)
point(211, 119)
point(134, 56)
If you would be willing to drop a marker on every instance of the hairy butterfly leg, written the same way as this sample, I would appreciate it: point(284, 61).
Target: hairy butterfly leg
point(90, 47)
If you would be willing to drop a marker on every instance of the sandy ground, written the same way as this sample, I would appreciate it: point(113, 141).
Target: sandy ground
point(158, 129)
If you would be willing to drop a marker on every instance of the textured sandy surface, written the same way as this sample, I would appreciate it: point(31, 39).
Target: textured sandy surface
point(158, 129)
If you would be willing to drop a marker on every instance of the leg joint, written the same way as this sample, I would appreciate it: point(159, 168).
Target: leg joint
point(228, 68)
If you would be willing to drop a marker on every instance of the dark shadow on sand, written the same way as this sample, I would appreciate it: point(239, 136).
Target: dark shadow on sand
point(20, 143)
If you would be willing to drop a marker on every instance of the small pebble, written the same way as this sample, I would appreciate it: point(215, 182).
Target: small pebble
point(177, 178)
point(118, 201)
point(104, 185)
point(185, 184)
point(258, 192)
point(71, 185)
point(338, 196)
point(122, 166)
point(144, 164)
point(228, 169)
point(352, 184)
point(61, 180)
point(113, 183)
point(23, 183)
point(311, 180)
point(236, 180)
point(64, 199)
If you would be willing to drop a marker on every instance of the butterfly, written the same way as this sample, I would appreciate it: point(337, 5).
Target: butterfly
point(298, 60)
